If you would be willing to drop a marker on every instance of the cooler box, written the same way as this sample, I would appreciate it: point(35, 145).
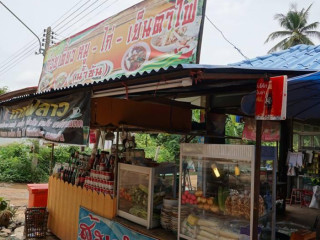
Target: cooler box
point(38, 195)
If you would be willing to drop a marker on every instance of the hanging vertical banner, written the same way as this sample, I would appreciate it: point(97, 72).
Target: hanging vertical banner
point(150, 35)
point(63, 119)
point(271, 98)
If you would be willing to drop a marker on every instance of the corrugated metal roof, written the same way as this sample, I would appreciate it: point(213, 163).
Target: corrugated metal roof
point(192, 67)
point(295, 58)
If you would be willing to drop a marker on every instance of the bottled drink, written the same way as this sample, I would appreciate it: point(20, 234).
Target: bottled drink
point(73, 179)
point(97, 160)
point(77, 178)
point(65, 173)
point(61, 173)
point(81, 178)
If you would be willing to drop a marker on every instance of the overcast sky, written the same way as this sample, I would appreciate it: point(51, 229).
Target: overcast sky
point(246, 23)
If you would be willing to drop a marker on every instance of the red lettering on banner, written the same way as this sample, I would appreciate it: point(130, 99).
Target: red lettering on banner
point(98, 235)
point(158, 21)
point(189, 12)
point(140, 15)
point(107, 39)
point(83, 51)
point(169, 17)
point(147, 27)
point(136, 32)
point(60, 60)
point(68, 57)
point(179, 4)
point(73, 53)
point(129, 34)
point(92, 218)
point(91, 72)
point(183, 13)
point(85, 231)
point(99, 71)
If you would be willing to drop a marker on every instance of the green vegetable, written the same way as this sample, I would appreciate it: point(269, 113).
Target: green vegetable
point(143, 188)
point(223, 193)
point(139, 212)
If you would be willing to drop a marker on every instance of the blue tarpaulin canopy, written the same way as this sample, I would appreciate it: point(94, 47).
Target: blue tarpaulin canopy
point(303, 101)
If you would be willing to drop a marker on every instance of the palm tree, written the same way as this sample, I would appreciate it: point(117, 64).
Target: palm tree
point(296, 29)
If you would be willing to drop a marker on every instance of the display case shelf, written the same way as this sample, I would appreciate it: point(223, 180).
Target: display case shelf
point(141, 191)
point(214, 191)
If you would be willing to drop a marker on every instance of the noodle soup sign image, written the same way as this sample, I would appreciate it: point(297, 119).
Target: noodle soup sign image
point(150, 35)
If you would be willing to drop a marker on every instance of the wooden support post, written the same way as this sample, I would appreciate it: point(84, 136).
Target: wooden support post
point(256, 183)
point(274, 195)
point(115, 187)
point(51, 159)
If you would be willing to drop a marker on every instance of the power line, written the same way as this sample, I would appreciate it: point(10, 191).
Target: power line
point(26, 55)
point(77, 15)
point(19, 51)
point(82, 19)
point(68, 12)
point(33, 46)
point(18, 54)
point(71, 14)
point(226, 38)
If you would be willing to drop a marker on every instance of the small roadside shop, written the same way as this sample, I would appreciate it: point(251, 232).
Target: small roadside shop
point(136, 72)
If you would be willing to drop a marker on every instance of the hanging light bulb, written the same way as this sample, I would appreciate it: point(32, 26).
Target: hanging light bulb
point(215, 170)
point(237, 170)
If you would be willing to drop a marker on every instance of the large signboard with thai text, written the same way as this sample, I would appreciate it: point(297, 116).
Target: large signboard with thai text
point(150, 35)
point(61, 119)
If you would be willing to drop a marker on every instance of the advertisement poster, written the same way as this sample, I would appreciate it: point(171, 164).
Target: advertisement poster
point(271, 98)
point(92, 226)
point(61, 119)
point(150, 35)
point(270, 130)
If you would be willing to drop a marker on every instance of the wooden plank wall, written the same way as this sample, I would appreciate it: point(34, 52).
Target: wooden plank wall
point(64, 201)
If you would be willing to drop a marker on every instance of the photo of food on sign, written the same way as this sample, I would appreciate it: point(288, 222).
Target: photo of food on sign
point(46, 82)
point(180, 40)
point(135, 57)
point(60, 80)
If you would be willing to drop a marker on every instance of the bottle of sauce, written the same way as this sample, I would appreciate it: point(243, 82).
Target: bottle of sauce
point(97, 161)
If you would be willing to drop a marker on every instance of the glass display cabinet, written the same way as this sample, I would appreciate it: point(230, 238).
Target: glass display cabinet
point(141, 191)
point(214, 195)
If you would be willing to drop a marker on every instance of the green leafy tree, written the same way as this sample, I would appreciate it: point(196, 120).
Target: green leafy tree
point(16, 161)
point(296, 31)
point(3, 90)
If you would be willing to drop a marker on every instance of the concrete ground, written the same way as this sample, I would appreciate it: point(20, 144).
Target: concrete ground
point(18, 195)
point(303, 216)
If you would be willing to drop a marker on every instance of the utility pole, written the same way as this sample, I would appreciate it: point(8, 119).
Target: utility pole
point(48, 39)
